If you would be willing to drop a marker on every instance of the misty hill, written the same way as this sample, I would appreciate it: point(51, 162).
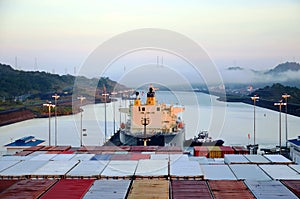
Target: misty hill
point(15, 83)
point(284, 67)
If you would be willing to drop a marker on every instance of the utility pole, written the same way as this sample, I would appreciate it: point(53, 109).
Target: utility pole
point(55, 102)
point(49, 105)
point(280, 104)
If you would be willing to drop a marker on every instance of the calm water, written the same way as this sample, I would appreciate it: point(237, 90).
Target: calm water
point(231, 122)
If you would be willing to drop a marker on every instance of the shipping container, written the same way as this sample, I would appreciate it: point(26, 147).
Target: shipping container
point(178, 157)
point(121, 157)
point(53, 152)
point(67, 152)
point(67, 189)
point(280, 172)
point(33, 148)
point(27, 189)
point(108, 189)
point(235, 159)
point(201, 151)
point(60, 148)
point(185, 170)
point(64, 157)
point(226, 150)
point(269, 190)
point(4, 184)
point(6, 164)
point(230, 189)
point(217, 172)
point(22, 169)
point(182, 189)
point(278, 159)
point(257, 159)
point(214, 152)
point(15, 158)
point(139, 156)
point(143, 148)
point(101, 157)
point(119, 169)
point(46, 148)
point(248, 172)
point(159, 157)
point(293, 185)
point(169, 149)
point(43, 157)
point(83, 157)
point(152, 169)
point(296, 167)
point(23, 153)
point(199, 159)
point(87, 169)
point(146, 189)
point(54, 169)
point(240, 150)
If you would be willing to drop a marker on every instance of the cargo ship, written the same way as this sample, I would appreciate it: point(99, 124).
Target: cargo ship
point(151, 123)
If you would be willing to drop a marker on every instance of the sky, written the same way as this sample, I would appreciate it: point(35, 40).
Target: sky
point(59, 36)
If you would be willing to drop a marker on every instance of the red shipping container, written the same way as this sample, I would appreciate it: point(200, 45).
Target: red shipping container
point(4, 184)
point(201, 151)
point(139, 156)
point(293, 185)
point(27, 189)
point(69, 189)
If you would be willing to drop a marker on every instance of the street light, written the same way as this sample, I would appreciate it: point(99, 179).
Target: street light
point(49, 105)
point(254, 98)
point(55, 102)
point(280, 104)
point(286, 96)
point(81, 98)
point(105, 95)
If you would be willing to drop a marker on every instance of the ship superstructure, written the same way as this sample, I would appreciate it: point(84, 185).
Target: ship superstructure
point(152, 123)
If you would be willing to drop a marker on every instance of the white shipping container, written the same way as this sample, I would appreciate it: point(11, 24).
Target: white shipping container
point(120, 168)
point(15, 158)
point(257, 159)
point(269, 190)
point(186, 169)
point(108, 189)
point(278, 159)
point(217, 172)
point(248, 172)
point(43, 157)
point(55, 168)
point(83, 157)
point(280, 172)
point(23, 168)
point(296, 167)
point(152, 168)
point(64, 157)
point(88, 169)
point(235, 159)
point(6, 164)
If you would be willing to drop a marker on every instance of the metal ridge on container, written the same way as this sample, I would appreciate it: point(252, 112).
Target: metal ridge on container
point(278, 159)
point(119, 169)
point(280, 172)
point(235, 159)
point(248, 172)
point(217, 172)
point(185, 170)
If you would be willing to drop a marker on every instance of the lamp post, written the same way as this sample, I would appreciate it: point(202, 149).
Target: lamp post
point(81, 98)
point(105, 128)
point(286, 96)
point(55, 102)
point(49, 105)
point(254, 98)
point(280, 104)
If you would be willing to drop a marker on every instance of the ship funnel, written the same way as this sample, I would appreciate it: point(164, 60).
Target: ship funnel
point(137, 101)
point(150, 96)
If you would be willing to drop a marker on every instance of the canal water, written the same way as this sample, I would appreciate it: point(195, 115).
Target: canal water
point(232, 122)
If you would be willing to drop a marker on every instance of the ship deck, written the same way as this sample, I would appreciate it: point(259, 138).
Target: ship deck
point(162, 172)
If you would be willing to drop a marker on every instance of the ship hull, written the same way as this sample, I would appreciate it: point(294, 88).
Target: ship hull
point(159, 139)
